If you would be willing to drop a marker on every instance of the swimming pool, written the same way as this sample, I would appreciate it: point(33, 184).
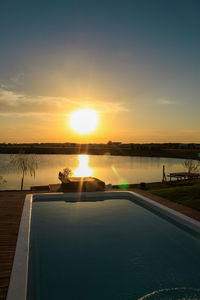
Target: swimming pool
point(107, 245)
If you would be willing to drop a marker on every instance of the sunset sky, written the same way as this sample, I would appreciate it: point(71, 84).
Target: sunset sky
point(136, 62)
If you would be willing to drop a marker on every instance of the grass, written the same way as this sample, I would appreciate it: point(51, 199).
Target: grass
point(185, 193)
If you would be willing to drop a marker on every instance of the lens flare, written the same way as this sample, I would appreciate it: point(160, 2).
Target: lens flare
point(122, 182)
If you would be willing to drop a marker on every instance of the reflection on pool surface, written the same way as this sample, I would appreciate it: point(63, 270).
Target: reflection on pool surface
point(174, 293)
point(112, 249)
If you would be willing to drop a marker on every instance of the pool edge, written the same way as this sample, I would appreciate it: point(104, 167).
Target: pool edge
point(169, 212)
point(19, 274)
point(18, 284)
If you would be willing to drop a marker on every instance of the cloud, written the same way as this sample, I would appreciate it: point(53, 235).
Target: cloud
point(18, 79)
point(15, 81)
point(164, 101)
point(12, 103)
point(191, 131)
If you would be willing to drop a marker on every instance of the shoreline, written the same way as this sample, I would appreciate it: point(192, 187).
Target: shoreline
point(147, 155)
point(190, 151)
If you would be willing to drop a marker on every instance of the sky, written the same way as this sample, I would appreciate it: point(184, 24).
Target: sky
point(136, 62)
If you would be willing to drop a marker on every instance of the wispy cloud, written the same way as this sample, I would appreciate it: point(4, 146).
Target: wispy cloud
point(164, 101)
point(18, 79)
point(12, 103)
point(191, 131)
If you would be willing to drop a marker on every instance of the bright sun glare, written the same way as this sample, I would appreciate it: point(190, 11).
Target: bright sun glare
point(84, 121)
point(83, 168)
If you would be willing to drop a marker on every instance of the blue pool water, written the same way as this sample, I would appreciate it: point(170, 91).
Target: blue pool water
point(112, 249)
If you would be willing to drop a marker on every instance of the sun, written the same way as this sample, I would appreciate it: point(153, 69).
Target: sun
point(84, 121)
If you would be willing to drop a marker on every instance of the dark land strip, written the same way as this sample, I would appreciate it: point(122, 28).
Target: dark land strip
point(187, 151)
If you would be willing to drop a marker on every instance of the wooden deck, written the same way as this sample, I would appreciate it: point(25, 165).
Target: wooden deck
point(11, 206)
point(183, 176)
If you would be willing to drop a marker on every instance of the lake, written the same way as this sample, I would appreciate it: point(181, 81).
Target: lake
point(110, 169)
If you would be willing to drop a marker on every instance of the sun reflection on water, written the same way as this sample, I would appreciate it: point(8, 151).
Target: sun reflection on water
point(83, 169)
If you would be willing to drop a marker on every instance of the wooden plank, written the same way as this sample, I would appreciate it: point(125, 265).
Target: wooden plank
point(11, 206)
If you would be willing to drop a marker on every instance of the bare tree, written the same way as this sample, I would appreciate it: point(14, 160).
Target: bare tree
point(2, 180)
point(64, 176)
point(191, 166)
point(24, 163)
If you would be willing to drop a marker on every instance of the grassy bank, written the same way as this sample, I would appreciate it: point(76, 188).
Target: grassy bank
point(186, 193)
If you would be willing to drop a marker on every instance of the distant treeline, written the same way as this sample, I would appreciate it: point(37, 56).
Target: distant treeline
point(175, 150)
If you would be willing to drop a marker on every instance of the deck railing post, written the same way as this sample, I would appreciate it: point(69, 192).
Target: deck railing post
point(164, 175)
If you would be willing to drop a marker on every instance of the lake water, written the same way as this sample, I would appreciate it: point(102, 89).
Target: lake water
point(110, 169)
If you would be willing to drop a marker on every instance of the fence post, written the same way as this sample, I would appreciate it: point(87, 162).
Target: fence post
point(164, 176)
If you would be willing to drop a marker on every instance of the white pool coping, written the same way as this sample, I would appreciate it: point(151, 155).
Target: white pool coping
point(19, 276)
point(18, 280)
